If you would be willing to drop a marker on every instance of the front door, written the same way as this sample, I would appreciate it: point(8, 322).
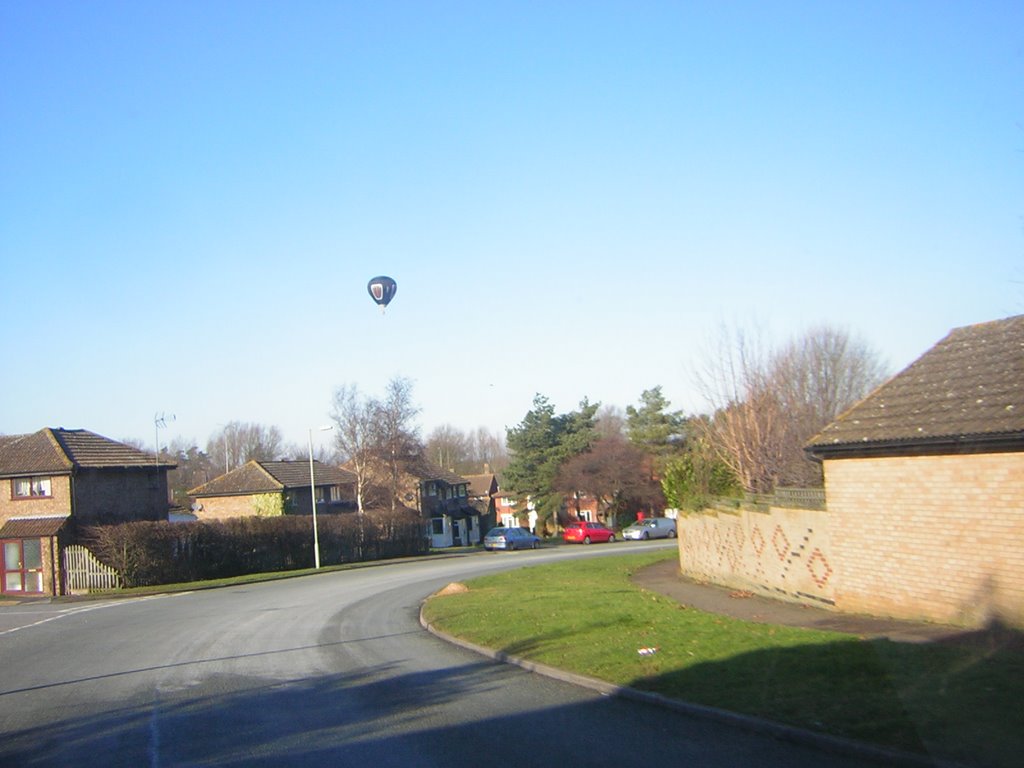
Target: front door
point(22, 566)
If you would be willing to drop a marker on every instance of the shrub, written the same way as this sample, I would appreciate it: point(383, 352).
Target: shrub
point(146, 554)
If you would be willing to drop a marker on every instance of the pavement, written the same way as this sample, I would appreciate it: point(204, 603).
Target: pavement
point(665, 578)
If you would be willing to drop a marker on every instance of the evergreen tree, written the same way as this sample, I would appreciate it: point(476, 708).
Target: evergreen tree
point(539, 446)
point(652, 426)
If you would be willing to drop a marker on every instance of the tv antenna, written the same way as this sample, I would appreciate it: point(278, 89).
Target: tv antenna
point(160, 422)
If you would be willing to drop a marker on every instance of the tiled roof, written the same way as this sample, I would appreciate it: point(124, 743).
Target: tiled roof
point(32, 527)
point(87, 449)
point(422, 469)
point(292, 474)
point(481, 485)
point(966, 390)
point(272, 476)
point(417, 468)
point(6, 440)
point(59, 451)
point(38, 452)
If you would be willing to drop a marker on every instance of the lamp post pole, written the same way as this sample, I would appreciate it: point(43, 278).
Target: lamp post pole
point(312, 498)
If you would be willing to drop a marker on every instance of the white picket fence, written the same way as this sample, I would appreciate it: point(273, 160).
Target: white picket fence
point(84, 573)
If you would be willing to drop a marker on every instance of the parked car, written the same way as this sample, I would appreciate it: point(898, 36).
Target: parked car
point(582, 532)
point(650, 528)
point(510, 539)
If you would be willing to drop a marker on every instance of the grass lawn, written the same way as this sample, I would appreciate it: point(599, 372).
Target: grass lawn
point(958, 701)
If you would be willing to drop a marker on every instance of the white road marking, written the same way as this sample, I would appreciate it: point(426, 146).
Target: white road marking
point(64, 613)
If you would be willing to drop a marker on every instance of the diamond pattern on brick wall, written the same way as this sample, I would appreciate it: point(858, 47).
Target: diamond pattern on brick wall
point(781, 542)
point(757, 540)
point(782, 552)
point(734, 546)
point(818, 565)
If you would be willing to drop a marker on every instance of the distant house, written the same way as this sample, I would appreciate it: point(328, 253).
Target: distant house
point(269, 488)
point(508, 510)
point(54, 478)
point(482, 490)
point(925, 484)
point(584, 507)
point(442, 499)
point(514, 510)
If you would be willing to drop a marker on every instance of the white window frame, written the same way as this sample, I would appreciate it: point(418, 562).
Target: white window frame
point(38, 487)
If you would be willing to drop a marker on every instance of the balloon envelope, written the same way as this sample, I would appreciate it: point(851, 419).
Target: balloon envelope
point(382, 290)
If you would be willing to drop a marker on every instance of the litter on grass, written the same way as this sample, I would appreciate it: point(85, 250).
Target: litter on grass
point(647, 651)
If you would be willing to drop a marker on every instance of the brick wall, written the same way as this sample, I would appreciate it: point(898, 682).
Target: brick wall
point(224, 507)
point(59, 503)
point(782, 553)
point(108, 494)
point(121, 494)
point(939, 538)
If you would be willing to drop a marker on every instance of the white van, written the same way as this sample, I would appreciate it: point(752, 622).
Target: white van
point(651, 528)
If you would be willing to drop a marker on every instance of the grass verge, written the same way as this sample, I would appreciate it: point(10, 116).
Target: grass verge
point(957, 701)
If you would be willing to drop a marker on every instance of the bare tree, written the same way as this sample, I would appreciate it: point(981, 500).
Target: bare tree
point(744, 429)
point(325, 454)
point(766, 405)
point(488, 450)
point(611, 422)
point(466, 453)
point(356, 435)
point(239, 442)
point(825, 372)
point(376, 436)
point(398, 435)
point(449, 447)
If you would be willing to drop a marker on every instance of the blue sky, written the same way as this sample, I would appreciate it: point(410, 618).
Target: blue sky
point(573, 198)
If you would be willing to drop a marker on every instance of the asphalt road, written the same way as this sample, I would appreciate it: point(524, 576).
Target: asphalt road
point(324, 670)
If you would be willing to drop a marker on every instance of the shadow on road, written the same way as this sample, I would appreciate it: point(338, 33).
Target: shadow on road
point(382, 717)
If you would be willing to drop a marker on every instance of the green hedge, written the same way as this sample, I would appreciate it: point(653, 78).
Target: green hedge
point(146, 553)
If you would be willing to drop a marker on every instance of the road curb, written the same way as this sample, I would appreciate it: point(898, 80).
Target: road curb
point(778, 731)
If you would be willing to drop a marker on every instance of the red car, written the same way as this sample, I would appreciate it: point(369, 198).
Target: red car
point(585, 533)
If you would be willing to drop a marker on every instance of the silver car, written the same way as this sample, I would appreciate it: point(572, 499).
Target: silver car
point(651, 528)
point(510, 539)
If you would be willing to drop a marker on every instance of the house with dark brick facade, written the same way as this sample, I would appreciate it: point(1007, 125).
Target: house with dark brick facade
point(54, 480)
point(269, 488)
point(924, 484)
point(441, 498)
point(482, 490)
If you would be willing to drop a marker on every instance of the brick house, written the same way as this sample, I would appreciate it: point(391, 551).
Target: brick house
point(54, 478)
point(925, 485)
point(582, 506)
point(509, 511)
point(482, 490)
point(442, 499)
point(269, 488)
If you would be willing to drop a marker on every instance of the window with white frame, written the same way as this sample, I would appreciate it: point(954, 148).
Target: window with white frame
point(31, 487)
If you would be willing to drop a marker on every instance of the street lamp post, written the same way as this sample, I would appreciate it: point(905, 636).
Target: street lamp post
point(312, 496)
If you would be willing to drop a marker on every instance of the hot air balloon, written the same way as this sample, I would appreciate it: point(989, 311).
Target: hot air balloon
point(382, 290)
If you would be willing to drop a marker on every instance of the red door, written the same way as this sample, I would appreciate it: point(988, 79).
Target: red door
point(22, 566)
